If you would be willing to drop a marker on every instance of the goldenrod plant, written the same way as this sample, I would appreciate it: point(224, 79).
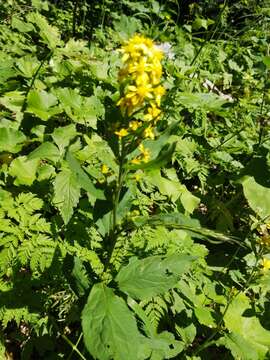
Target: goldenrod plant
point(134, 180)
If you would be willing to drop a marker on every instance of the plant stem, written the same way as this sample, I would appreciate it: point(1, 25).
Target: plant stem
point(74, 347)
point(119, 185)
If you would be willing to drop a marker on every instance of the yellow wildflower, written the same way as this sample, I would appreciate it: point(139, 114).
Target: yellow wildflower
point(148, 133)
point(136, 161)
point(158, 91)
point(121, 133)
point(266, 264)
point(104, 169)
point(134, 125)
point(153, 113)
point(145, 153)
point(141, 74)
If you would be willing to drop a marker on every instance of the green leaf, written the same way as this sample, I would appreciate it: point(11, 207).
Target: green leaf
point(258, 196)
point(20, 25)
point(42, 104)
point(204, 316)
point(82, 178)
point(11, 140)
point(246, 329)
point(63, 135)
point(49, 34)
point(66, 193)
point(152, 276)
point(109, 327)
point(209, 102)
point(266, 61)
point(240, 347)
point(13, 100)
point(23, 170)
point(46, 151)
point(81, 109)
point(180, 221)
point(27, 66)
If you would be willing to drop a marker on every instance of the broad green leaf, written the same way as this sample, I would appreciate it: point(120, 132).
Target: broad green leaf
point(248, 327)
point(240, 347)
point(46, 151)
point(23, 170)
point(266, 61)
point(11, 140)
point(173, 189)
point(45, 172)
point(66, 193)
point(42, 104)
point(204, 316)
point(63, 135)
point(27, 65)
point(83, 110)
point(109, 327)
point(82, 178)
point(49, 34)
point(21, 26)
point(152, 276)
point(258, 196)
point(13, 100)
point(209, 101)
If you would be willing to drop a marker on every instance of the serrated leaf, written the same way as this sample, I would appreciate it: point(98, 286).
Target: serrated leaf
point(239, 347)
point(109, 327)
point(247, 327)
point(63, 135)
point(209, 102)
point(258, 196)
point(66, 193)
point(83, 110)
point(13, 100)
point(11, 140)
point(46, 151)
point(82, 178)
point(49, 34)
point(42, 104)
point(152, 276)
point(23, 170)
point(27, 66)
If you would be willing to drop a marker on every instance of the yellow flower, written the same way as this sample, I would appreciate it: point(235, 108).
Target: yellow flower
point(266, 264)
point(121, 133)
point(136, 161)
point(141, 74)
point(153, 113)
point(104, 169)
point(145, 153)
point(137, 95)
point(148, 133)
point(158, 91)
point(134, 125)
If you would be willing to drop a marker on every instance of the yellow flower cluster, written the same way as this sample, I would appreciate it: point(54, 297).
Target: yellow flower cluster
point(142, 72)
point(142, 91)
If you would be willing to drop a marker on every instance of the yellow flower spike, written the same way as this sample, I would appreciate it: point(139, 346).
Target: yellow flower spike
point(140, 75)
point(266, 264)
point(134, 125)
point(121, 133)
point(104, 169)
point(149, 133)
